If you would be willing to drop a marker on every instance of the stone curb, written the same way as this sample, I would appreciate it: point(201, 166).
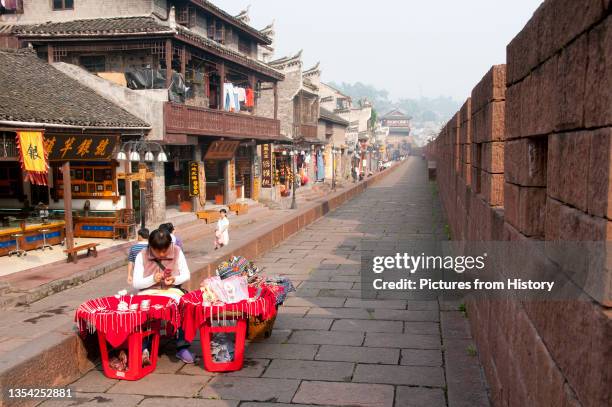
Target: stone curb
point(61, 357)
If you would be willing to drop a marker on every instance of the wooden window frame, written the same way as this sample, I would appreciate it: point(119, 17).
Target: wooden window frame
point(63, 8)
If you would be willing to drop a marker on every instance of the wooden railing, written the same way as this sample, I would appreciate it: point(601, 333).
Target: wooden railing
point(201, 121)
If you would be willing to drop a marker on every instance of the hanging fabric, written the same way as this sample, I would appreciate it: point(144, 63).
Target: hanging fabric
point(33, 156)
point(250, 98)
point(228, 97)
point(241, 95)
point(236, 99)
point(320, 167)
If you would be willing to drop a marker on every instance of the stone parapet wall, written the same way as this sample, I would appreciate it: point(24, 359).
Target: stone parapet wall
point(540, 130)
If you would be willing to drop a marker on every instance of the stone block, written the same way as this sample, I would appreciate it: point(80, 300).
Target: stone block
point(568, 157)
point(492, 188)
point(522, 51)
point(525, 209)
point(571, 18)
point(570, 85)
point(525, 161)
point(492, 87)
point(598, 98)
point(492, 157)
point(488, 124)
point(513, 119)
point(599, 193)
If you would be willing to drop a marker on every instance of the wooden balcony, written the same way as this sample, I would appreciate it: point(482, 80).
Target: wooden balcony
point(306, 131)
point(200, 121)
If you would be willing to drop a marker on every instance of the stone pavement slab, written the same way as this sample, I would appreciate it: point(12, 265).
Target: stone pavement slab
point(97, 400)
point(358, 354)
point(377, 340)
point(186, 402)
point(158, 384)
point(327, 337)
point(408, 375)
point(280, 351)
point(345, 394)
point(361, 325)
point(421, 357)
point(419, 397)
point(310, 370)
point(252, 389)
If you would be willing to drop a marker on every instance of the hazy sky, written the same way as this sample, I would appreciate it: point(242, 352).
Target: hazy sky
point(409, 47)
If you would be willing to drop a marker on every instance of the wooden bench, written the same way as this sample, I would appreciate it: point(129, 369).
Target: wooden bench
point(239, 208)
point(209, 216)
point(73, 253)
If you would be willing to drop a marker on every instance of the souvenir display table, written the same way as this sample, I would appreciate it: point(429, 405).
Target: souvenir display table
point(126, 321)
point(212, 318)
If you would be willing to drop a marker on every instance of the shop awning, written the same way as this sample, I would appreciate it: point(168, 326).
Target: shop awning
point(221, 150)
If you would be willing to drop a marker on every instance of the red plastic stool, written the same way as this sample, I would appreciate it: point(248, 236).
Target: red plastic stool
point(134, 344)
point(206, 332)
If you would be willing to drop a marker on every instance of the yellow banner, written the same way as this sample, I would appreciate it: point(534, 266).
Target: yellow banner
point(33, 157)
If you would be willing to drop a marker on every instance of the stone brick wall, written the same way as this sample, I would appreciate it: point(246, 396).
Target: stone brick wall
point(287, 89)
point(536, 137)
point(40, 11)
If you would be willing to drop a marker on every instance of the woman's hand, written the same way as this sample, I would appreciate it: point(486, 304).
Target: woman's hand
point(130, 279)
point(169, 280)
point(158, 277)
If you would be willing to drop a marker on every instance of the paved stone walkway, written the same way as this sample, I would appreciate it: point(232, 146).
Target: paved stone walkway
point(330, 347)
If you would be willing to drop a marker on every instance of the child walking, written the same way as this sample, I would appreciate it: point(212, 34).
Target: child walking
point(222, 232)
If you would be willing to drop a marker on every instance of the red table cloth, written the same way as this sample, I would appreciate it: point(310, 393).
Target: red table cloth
point(101, 314)
point(195, 313)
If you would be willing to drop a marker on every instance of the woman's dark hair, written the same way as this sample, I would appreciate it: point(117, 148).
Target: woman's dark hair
point(167, 226)
point(223, 211)
point(160, 239)
point(144, 233)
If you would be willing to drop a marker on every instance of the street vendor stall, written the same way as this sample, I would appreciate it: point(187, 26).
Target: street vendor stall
point(124, 322)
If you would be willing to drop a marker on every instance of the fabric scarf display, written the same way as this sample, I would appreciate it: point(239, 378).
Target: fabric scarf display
point(195, 310)
point(280, 286)
point(32, 156)
point(320, 167)
point(236, 266)
point(230, 290)
point(104, 315)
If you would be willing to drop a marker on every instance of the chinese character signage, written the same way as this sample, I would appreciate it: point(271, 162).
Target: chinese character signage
point(83, 148)
point(32, 156)
point(194, 179)
point(266, 166)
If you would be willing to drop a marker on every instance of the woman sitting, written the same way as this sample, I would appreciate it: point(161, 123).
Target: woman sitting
point(160, 269)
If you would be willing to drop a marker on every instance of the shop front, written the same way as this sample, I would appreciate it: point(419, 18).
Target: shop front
point(32, 207)
point(176, 177)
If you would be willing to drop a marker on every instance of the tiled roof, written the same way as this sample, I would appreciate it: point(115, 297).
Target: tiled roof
point(235, 55)
point(34, 91)
point(238, 23)
point(331, 117)
point(136, 26)
point(94, 27)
